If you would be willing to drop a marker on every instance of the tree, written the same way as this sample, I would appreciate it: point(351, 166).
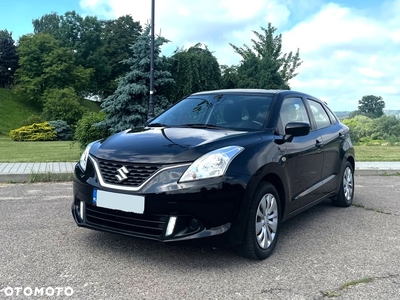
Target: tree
point(193, 70)
point(359, 127)
point(8, 58)
point(44, 64)
point(62, 105)
point(48, 23)
point(264, 65)
point(364, 129)
point(371, 106)
point(82, 36)
point(128, 106)
point(98, 44)
point(230, 77)
point(118, 36)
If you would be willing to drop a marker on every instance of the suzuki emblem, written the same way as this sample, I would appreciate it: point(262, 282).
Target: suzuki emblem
point(122, 172)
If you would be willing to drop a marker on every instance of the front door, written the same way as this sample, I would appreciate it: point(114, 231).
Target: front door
point(303, 157)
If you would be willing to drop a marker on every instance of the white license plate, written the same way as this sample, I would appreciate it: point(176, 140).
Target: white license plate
point(124, 202)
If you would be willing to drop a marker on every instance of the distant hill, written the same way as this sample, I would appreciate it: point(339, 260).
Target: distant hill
point(342, 114)
point(13, 111)
point(345, 114)
point(390, 112)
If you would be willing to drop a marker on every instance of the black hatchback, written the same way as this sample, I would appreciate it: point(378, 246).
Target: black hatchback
point(221, 168)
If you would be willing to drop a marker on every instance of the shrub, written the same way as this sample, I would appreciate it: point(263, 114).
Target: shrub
point(89, 129)
point(63, 130)
point(32, 119)
point(35, 132)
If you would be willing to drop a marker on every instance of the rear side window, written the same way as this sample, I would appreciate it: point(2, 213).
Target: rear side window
point(320, 115)
point(331, 115)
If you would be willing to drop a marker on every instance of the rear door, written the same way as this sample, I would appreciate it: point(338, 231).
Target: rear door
point(329, 129)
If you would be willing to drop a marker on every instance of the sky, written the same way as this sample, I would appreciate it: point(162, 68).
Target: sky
point(349, 48)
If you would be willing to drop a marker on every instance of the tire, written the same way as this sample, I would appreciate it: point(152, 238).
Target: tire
point(346, 190)
point(263, 223)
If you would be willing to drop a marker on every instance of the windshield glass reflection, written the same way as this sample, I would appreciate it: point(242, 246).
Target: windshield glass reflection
point(231, 111)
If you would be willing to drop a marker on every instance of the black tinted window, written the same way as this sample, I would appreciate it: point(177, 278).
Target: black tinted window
point(331, 115)
point(321, 117)
point(233, 111)
point(292, 110)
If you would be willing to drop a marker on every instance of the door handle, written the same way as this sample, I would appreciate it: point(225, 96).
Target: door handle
point(319, 144)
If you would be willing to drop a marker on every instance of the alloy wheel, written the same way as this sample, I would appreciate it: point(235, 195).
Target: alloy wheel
point(348, 184)
point(266, 222)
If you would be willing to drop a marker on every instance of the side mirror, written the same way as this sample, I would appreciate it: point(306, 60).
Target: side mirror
point(293, 129)
point(297, 129)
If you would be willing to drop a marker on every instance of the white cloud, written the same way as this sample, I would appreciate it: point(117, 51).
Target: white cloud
point(347, 53)
point(369, 72)
point(215, 23)
point(355, 54)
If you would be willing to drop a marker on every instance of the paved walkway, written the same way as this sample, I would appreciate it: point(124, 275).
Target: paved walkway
point(22, 172)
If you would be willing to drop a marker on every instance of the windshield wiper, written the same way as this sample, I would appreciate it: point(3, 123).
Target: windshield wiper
point(201, 125)
point(157, 125)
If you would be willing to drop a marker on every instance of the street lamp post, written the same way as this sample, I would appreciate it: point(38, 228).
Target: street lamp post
point(150, 113)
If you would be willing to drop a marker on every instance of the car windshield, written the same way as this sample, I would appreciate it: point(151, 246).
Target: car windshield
point(231, 111)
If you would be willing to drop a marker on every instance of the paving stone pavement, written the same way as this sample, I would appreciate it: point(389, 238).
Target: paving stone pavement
point(22, 172)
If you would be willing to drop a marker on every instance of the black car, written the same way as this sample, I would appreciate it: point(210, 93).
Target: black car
point(221, 168)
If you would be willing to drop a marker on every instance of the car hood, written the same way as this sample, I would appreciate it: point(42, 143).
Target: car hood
point(168, 145)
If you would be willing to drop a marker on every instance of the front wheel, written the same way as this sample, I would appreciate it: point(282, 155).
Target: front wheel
point(346, 191)
point(263, 223)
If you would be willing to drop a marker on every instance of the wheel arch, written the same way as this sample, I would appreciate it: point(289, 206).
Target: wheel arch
point(276, 181)
point(352, 161)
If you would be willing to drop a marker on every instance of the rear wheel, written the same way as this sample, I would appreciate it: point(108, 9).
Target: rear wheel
point(346, 191)
point(263, 223)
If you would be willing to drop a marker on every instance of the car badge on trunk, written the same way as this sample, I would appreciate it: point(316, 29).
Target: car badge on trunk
point(122, 172)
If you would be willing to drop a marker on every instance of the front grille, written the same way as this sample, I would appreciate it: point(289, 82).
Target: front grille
point(138, 173)
point(125, 222)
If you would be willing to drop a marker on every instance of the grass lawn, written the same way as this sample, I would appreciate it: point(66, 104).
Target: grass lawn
point(377, 153)
point(11, 151)
point(12, 111)
point(58, 151)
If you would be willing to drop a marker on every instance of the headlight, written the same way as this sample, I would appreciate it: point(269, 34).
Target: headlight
point(212, 164)
point(84, 157)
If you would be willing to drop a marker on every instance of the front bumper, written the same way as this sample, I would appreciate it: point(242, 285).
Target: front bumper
point(209, 211)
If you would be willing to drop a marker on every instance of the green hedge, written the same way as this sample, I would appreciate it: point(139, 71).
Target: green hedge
point(35, 132)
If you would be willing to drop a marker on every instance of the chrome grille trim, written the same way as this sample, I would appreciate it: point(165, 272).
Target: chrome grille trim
point(130, 188)
point(134, 174)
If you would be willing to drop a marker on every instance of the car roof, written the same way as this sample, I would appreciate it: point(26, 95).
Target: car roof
point(233, 91)
point(254, 91)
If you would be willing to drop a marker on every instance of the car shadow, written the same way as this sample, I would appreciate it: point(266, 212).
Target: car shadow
point(132, 250)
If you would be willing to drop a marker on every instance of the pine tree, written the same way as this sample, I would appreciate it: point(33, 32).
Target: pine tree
point(264, 65)
point(128, 106)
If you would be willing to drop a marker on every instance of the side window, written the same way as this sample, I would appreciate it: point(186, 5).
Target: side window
point(292, 110)
point(331, 115)
point(321, 117)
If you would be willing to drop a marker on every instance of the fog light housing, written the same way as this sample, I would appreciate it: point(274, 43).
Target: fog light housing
point(171, 225)
point(82, 210)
